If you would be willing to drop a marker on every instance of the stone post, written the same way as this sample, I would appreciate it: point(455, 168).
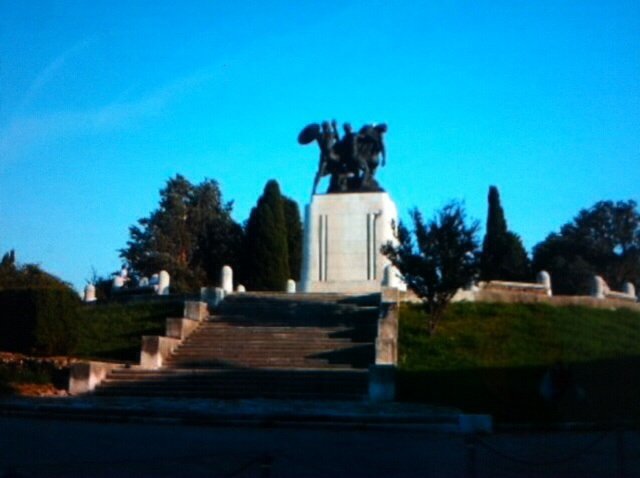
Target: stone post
point(163, 283)
point(291, 286)
point(118, 283)
point(387, 337)
point(391, 278)
point(226, 279)
point(240, 289)
point(629, 289)
point(544, 279)
point(90, 293)
point(386, 276)
point(598, 287)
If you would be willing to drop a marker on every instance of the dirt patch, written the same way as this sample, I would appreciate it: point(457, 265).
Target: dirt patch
point(37, 390)
point(34, 376)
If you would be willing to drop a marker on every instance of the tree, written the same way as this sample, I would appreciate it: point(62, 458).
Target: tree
point(266, 249)
point(442, 259)
point(294, 236)
point(191, 235)
point(503, 255)
point(16, 276)
point(602, 240)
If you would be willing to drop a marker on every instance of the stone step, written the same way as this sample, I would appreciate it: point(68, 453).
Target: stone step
point(195, 382)
point(221, 362)
point(260, 338)
point(242, 347)
point(272, 353)
point(231, 333)
point(235, 384)
point(304, 373)
point(265, 345)
point(254, 329)
point(229, 394)
point(261, 364)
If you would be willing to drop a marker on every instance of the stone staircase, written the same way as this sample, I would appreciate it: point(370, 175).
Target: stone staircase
point(284, 346)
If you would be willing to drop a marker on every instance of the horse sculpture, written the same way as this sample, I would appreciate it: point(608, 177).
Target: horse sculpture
point(352, 160)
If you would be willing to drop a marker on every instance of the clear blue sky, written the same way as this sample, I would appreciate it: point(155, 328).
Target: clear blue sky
point(101, 102)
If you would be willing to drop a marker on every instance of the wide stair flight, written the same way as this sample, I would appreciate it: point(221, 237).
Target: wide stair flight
point(289, 346)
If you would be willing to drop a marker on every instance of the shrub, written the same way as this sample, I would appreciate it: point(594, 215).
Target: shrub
point(39, 320)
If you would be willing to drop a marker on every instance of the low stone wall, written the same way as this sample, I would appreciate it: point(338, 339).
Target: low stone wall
point(557, 300)
point(387, 338)
point(155, 349)
point(180, 328)
point(515, 287)
point(85, 376)
point(382, 386)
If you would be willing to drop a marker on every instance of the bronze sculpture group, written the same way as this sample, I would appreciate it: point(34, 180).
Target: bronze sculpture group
point(352, 160)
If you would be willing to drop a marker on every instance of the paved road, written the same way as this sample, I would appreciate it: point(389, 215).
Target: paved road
point(37, 448)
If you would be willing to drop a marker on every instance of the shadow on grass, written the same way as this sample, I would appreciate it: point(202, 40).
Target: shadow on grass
point(601, 390)
point(124, 354)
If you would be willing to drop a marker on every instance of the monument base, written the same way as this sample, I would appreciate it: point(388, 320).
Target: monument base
point(342, 240)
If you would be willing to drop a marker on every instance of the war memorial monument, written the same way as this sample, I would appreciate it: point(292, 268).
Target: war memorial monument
point(346, 226)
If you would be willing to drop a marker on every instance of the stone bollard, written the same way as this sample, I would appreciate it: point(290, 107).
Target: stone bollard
point(118, 283)
point(291, 286)
point(226, 279)
point(598, 287)
point(629, 289)
point(90, 293)
point(386, 276)
point(391, 278)
point(544, 279)
point(240, 289)
point(163, 283)
point(143, 282)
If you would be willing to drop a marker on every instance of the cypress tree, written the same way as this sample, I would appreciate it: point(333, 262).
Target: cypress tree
point(503, 255)
point(267, 258)
point(294, 236)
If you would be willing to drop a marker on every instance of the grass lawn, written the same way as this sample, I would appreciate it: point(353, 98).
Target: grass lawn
point(113, 331)
point(492, 358)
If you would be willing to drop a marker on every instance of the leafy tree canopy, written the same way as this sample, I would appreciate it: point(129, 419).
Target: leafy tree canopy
point(442, 258)
point(16, 276)
point(191, 235)
point(602, 240)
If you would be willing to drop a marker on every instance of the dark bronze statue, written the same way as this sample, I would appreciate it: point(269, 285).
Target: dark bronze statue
point(352, 160)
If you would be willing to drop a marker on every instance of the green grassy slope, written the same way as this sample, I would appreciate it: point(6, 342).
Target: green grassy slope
point(492, 358)
point(114, 331)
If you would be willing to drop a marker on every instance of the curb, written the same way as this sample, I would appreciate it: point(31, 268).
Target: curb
point(449, 423)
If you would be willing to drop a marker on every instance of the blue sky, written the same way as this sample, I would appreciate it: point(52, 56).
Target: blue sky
point(101, 102)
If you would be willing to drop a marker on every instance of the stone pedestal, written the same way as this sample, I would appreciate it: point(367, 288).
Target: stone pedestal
point(342, 239)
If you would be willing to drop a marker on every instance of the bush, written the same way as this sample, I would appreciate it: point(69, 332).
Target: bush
point(39, 320)
point(112, 331)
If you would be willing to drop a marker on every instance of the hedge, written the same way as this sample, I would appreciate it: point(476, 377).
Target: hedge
point(39, 320)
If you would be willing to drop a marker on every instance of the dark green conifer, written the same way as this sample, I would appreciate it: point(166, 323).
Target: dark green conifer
point(267, 258)
point(294, 236)
point(503, 255)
